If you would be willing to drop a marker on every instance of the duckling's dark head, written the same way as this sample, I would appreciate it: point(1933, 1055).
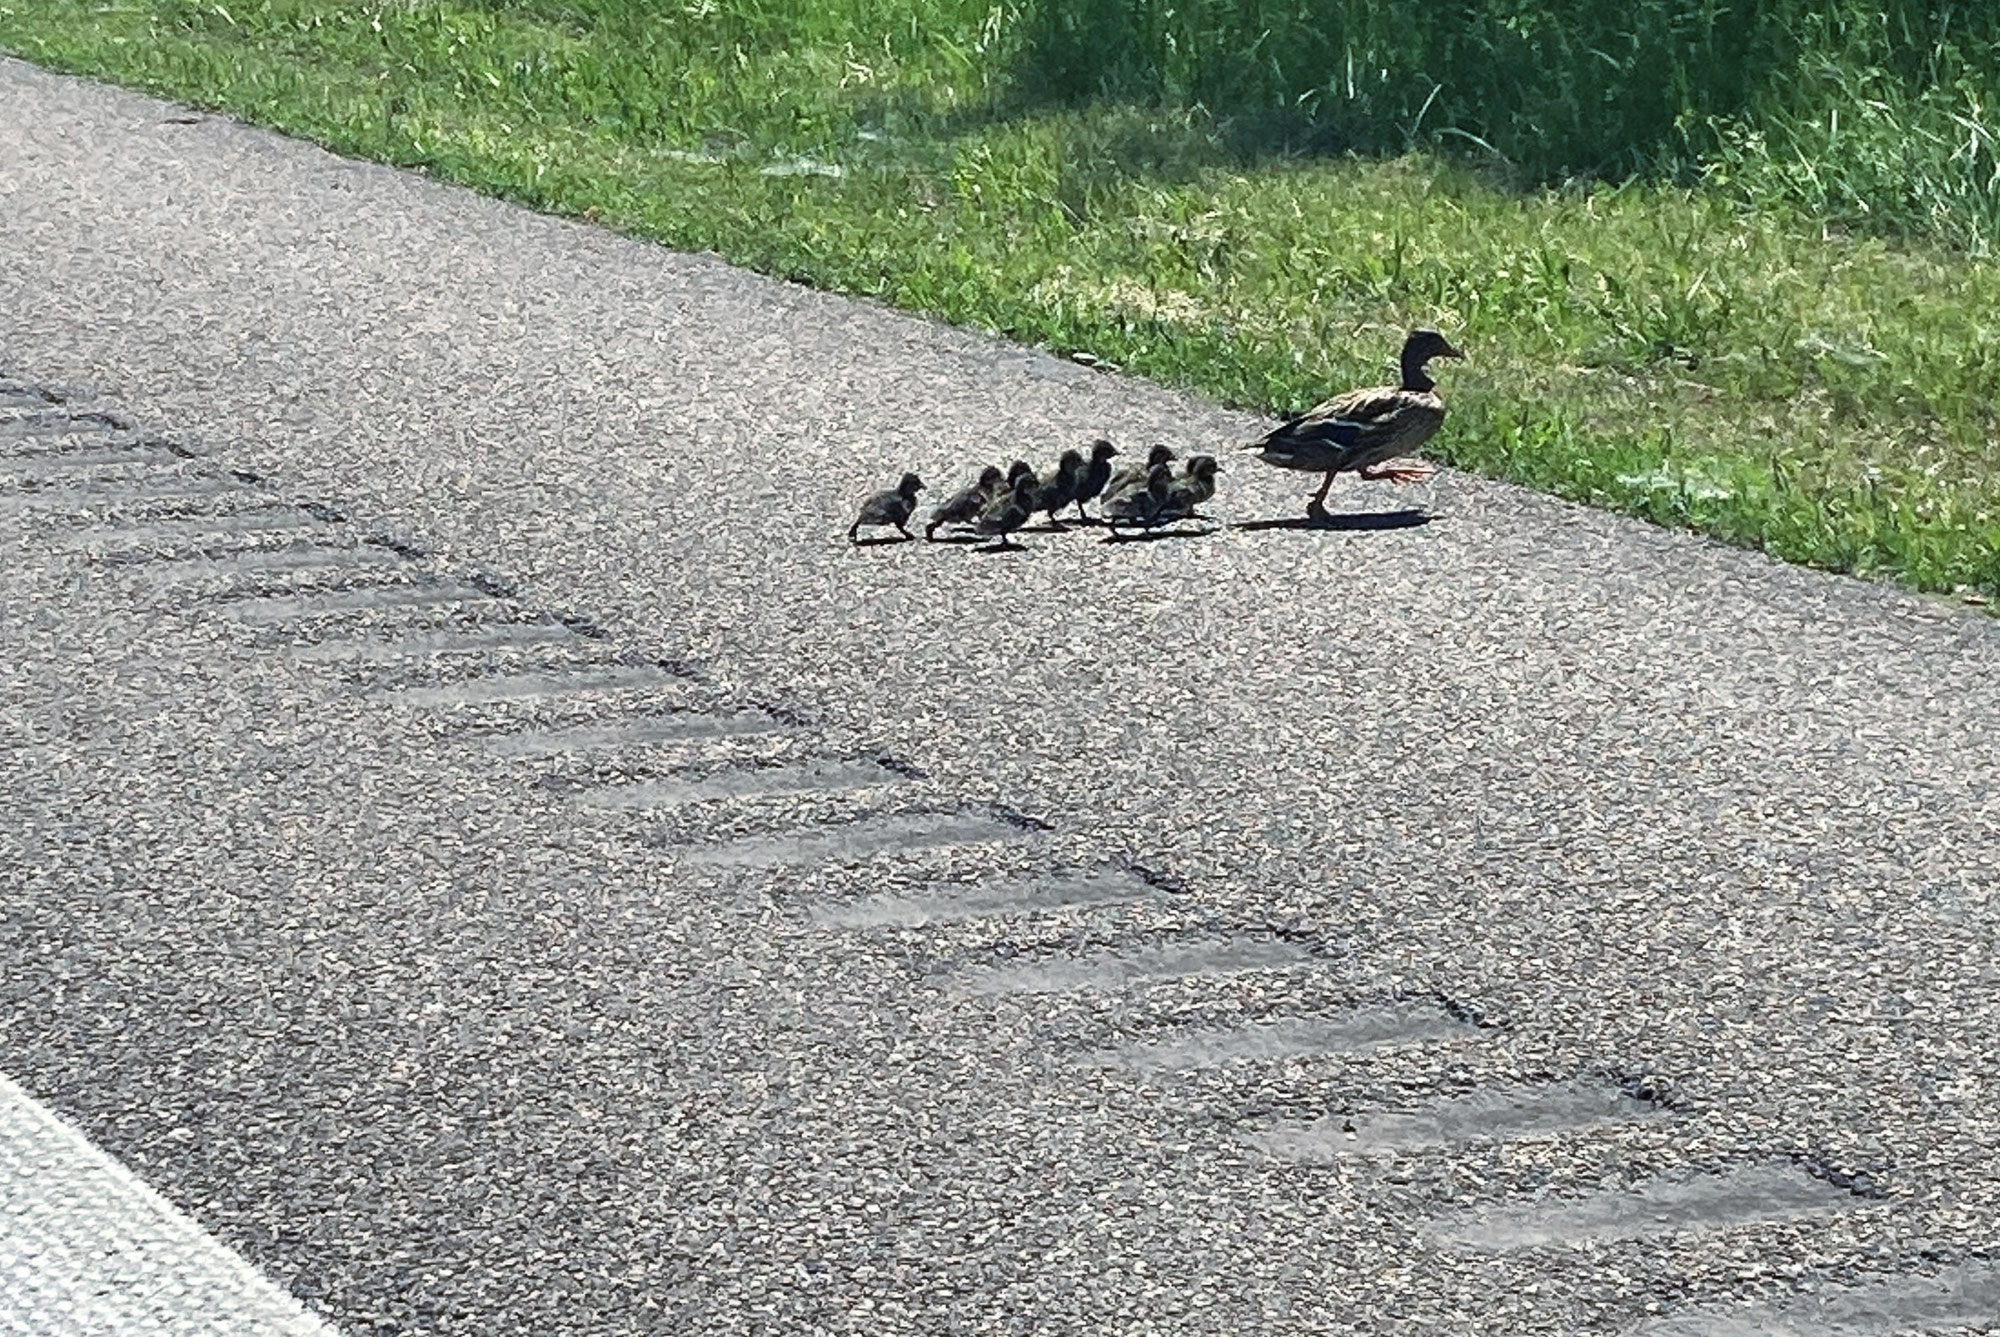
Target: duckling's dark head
point(990, 475)
point(1202, 466)
point(1071, 461)
point(910, 486)
point(1101, 449)
point(1159, 454)
point(1018, 470)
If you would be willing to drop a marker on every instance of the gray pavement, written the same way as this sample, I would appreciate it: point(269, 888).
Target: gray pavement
point(565, 889)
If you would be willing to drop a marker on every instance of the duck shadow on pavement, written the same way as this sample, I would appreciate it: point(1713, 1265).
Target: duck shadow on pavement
point(1361, 522)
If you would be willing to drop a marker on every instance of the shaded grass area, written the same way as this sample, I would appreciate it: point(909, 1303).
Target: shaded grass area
point(1655, 348)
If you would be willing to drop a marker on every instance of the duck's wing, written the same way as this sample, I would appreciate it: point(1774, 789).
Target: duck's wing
point(1355, 429)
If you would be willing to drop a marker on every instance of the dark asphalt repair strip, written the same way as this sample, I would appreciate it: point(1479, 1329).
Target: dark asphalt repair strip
point(1500, 1114)
point(1121, 967)
point(532, 686)
point(637, 732)
point(1744, 1196)
point(1018, 896)
point(807, 778)
point(855, 841)
point(1966, 1296)
point(1358, 1032)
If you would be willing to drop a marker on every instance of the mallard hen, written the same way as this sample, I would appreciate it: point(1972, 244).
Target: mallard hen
point(889, 508)
point(1362, 430)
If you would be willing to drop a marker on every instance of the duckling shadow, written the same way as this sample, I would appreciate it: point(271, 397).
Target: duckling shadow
point(1159, 535)
point(883, 541)
point(1362, 522)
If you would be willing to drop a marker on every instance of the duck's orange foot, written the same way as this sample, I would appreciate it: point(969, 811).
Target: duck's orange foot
point(1410, 471)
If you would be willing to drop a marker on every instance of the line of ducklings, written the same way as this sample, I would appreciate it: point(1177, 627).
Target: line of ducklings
point(997, 505)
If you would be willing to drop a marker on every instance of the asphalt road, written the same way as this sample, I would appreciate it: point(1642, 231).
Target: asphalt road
point(479, 841)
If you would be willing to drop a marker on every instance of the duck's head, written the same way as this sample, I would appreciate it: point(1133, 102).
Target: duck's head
point(1203, 467)
point(1101, 450)
point(1423, 345)
point(911, 485)
point(1419, 348)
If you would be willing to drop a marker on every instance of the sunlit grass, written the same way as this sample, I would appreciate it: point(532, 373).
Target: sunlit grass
point(1661, 349)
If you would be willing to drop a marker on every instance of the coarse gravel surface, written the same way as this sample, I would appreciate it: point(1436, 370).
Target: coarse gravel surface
point(313, 910)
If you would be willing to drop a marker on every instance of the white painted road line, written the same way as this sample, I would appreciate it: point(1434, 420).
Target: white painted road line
point(87, 1250)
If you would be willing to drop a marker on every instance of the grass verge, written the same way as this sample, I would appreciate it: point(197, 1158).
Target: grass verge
point(1659, 350)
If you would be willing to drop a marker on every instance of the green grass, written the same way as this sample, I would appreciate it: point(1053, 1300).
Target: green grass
point(1695, 345)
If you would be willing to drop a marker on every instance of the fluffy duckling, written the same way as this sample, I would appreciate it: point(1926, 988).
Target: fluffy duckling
point(963, 507)
point(1195, 486)
point(1008, 511)
point(1142, 507)
point(1133, 477)
point(1096, 473)
point(1362, 430)
point(889, 508)
point(1059, 489)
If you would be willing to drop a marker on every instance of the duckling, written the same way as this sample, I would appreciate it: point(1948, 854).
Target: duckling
point(1059, 489)
point(1192, 488)
point(1142, 507)
point(963, 507)
point(1133, 476)
point(889, 508)
point(1362, 430)
point(1008, 511)
point(1090, 483)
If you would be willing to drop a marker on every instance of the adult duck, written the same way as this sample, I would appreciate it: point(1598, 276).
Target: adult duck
point(1362, 430)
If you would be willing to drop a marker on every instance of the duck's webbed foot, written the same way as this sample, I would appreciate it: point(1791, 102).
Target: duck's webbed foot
point(1409, 471)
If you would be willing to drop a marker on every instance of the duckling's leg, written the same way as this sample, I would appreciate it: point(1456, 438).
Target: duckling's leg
point(906, 533)
point(854, 532)
point(1417, 472)
point(1316, 508)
